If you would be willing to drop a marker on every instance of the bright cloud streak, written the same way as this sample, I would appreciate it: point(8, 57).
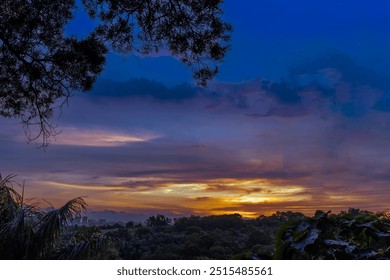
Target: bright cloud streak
point(100, 138)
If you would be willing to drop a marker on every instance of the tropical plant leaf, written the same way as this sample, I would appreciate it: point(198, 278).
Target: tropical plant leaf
point(309, 239)
point(90, 248)
point(49, 229)
point(10, 200)
point(343, 244)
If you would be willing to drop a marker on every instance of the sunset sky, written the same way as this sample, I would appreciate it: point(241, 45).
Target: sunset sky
point(297, 119)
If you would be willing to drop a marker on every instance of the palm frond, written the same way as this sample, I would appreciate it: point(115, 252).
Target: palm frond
point(51, 225)
point(15, 236)
point(10, 200)
point(90, 248)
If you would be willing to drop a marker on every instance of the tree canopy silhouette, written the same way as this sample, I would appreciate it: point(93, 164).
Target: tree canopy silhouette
point(41, 66)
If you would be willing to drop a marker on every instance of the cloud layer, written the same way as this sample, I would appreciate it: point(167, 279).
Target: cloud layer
point(316, 140)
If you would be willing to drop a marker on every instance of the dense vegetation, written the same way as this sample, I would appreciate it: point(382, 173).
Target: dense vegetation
point(29, 233)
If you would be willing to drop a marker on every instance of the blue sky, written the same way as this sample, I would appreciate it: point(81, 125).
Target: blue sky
point(271, 36)
point(297, 119)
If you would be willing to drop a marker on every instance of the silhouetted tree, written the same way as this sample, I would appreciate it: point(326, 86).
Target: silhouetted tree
point(130, 224)
point(158, 221)
point(41, 66)
point(224, 221)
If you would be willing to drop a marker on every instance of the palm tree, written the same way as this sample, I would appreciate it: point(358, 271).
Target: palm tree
point(25, 231)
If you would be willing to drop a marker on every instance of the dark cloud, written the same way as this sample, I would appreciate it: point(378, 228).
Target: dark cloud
point(144, 88)
point(383, 104)
point(333, 80)
point(333, 83)
point(346, 69)
point(285, 93)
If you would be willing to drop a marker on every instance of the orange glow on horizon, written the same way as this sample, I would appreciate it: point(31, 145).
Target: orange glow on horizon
point(206, 197)
point(247, 197)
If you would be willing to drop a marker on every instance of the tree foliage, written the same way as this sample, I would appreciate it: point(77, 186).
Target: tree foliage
point(94, 246)
point(158, 221)
point(210, 222)
point(354, 234)
point(41, 66)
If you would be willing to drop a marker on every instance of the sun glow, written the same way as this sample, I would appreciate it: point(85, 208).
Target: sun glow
point(217, 196)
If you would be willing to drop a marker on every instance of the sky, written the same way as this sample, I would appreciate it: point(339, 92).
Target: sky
point(298, 119)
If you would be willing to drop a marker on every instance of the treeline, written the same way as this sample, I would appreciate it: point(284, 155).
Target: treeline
point(194, 237)
point(26, 232)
